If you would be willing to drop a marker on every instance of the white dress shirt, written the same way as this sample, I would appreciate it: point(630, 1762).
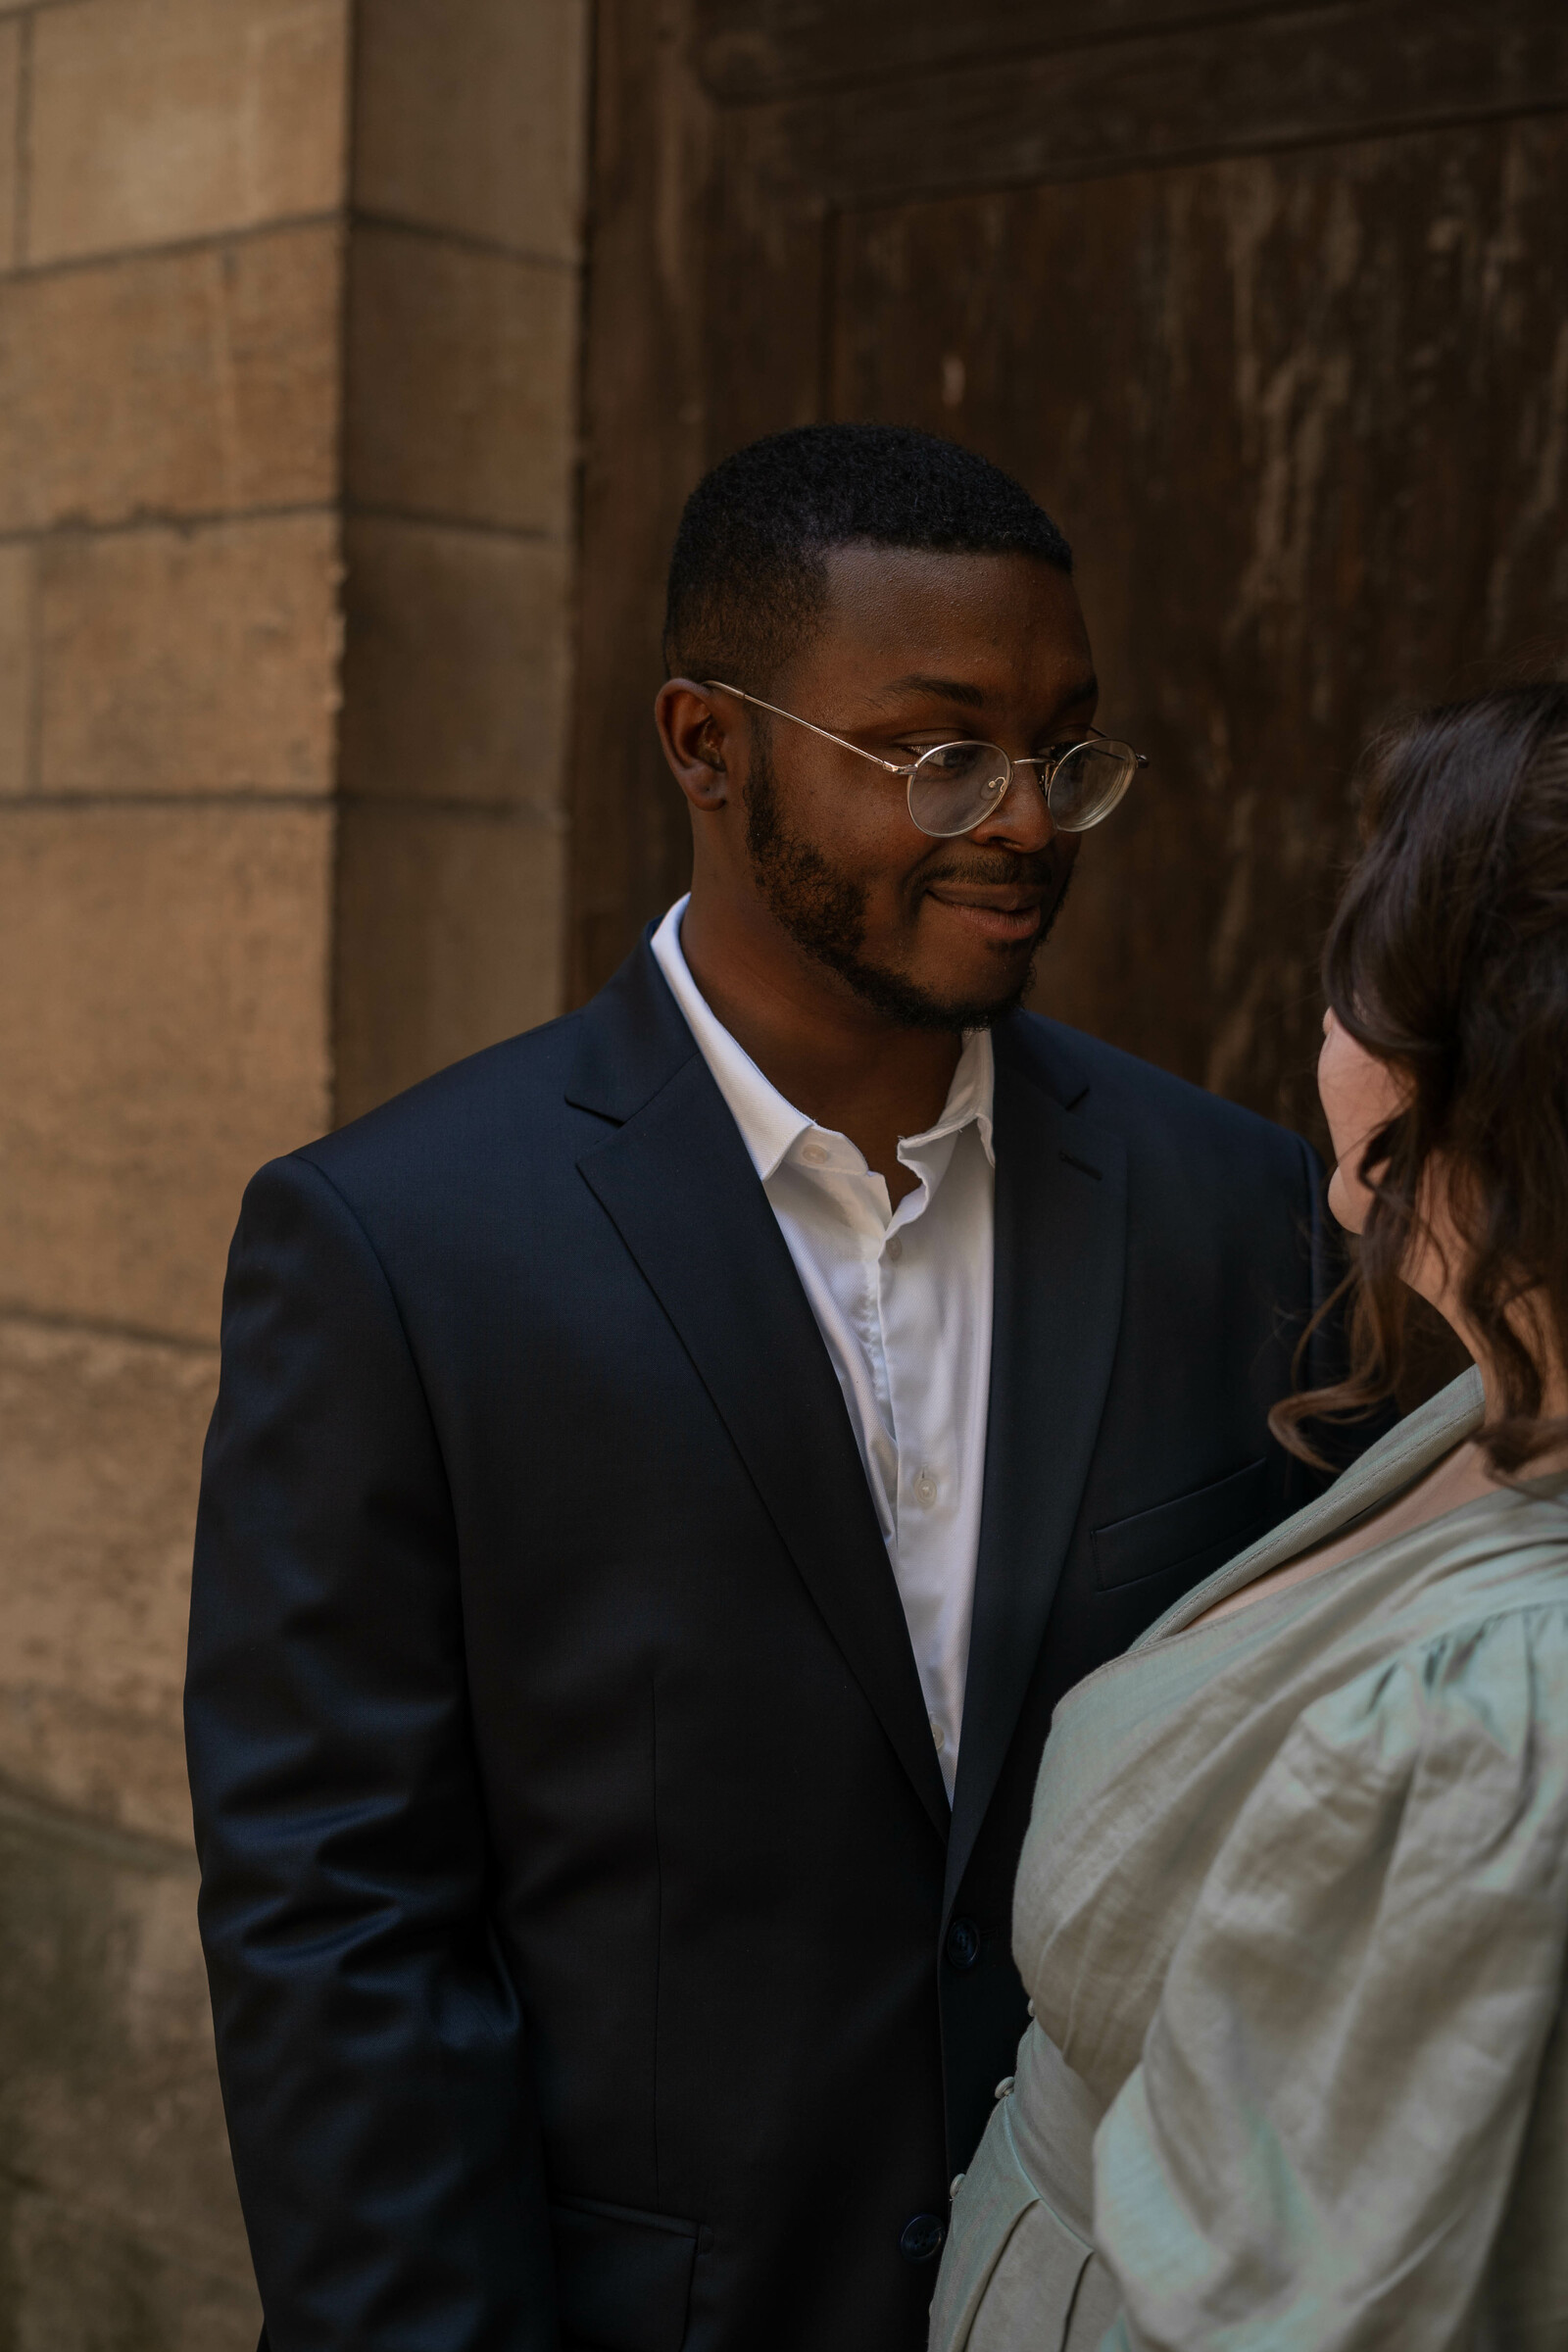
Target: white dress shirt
point(902, 1300)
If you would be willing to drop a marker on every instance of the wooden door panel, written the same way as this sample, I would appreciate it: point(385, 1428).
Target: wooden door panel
point(749, 49)
point(1304, 418)
point(1283, 79)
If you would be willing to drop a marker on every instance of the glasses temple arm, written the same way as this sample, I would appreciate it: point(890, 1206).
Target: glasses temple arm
point(843, 743)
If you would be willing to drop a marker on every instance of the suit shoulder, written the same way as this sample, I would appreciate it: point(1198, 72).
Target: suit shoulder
point(1137, 1095)
point(496, 1100)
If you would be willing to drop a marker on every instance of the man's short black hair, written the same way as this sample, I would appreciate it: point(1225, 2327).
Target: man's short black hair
point(747, 577)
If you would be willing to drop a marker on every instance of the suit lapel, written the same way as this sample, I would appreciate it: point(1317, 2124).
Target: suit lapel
point(677, 1183)
point(1060, 1247)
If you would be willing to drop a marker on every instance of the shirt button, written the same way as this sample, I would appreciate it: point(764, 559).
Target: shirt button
point(895, 1249)
point(938, 1735)
point(1003, 2090)
point(925, 1488)
point(814, 1155)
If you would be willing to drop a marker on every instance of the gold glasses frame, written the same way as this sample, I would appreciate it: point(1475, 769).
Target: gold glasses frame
point(995, 790)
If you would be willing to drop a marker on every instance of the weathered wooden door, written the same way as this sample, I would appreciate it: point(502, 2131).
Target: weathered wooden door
point(1268, 305)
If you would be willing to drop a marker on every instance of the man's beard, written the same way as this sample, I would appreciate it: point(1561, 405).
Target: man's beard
point(823, 911)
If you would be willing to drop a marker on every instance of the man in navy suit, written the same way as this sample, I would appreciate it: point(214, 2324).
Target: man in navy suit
point(667, 1468)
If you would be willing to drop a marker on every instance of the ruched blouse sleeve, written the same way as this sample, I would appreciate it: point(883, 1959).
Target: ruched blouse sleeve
point(1318, 2149)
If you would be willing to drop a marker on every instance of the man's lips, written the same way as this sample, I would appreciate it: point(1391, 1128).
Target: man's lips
point(1007, 917)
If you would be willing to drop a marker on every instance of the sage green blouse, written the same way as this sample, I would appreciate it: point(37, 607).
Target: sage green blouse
point(1293, 1912)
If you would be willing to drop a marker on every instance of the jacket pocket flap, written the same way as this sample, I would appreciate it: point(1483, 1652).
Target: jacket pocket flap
point(1196, 1532)
point(624, 2279)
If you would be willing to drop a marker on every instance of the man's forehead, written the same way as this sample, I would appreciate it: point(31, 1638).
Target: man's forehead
point(1067, 681)
point(952, 626)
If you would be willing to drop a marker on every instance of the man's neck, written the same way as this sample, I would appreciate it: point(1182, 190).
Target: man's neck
point(828, 1053)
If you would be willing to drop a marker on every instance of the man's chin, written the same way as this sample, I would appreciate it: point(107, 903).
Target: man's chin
point(912, 1003)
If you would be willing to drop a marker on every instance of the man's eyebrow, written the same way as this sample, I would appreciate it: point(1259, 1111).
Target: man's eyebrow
point(946, 690)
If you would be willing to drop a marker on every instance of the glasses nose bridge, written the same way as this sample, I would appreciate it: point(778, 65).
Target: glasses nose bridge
point(1024, 774)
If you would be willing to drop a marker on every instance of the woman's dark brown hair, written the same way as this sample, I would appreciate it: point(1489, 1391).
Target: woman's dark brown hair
point(1447, 958)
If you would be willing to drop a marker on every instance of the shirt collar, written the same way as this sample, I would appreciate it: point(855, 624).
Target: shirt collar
point(969, 1097)
point(770, 1125)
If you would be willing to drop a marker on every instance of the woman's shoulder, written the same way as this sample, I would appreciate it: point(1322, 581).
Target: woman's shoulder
point(1451, 1733)
point(1483, 1582)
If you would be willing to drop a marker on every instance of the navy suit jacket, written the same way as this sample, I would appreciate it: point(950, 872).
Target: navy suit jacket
point(594, 1959)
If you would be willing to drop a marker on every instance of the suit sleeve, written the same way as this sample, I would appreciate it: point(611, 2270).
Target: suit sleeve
point(370, 2042)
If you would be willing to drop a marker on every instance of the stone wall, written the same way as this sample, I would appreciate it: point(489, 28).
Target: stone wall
point(288, 315)
point(461, 459)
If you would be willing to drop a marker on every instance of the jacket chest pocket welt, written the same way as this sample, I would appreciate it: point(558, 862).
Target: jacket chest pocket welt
point(1195, 1532)
point(624, 2279)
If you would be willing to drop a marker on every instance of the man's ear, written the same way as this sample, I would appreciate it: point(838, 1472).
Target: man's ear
point(694, 741)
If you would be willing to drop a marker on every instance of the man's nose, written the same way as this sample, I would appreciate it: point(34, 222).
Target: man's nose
point(1023, 821)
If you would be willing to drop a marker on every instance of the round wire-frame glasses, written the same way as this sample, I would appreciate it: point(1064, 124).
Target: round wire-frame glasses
point(955, 786)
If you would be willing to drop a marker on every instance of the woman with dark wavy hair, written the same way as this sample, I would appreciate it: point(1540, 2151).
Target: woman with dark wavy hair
point(1294, 1904)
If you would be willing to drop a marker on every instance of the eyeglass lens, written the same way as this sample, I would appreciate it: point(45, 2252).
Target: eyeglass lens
point(955, 787)
point(1087, 784)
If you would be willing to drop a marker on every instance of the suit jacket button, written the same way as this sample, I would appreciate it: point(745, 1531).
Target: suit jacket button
point(962, 1944)
point(921, 2240)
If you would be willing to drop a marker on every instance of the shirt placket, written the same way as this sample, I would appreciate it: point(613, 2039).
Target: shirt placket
point(923, 1415)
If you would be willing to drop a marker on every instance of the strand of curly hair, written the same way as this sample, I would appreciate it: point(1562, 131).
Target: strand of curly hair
point(1447, 958)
